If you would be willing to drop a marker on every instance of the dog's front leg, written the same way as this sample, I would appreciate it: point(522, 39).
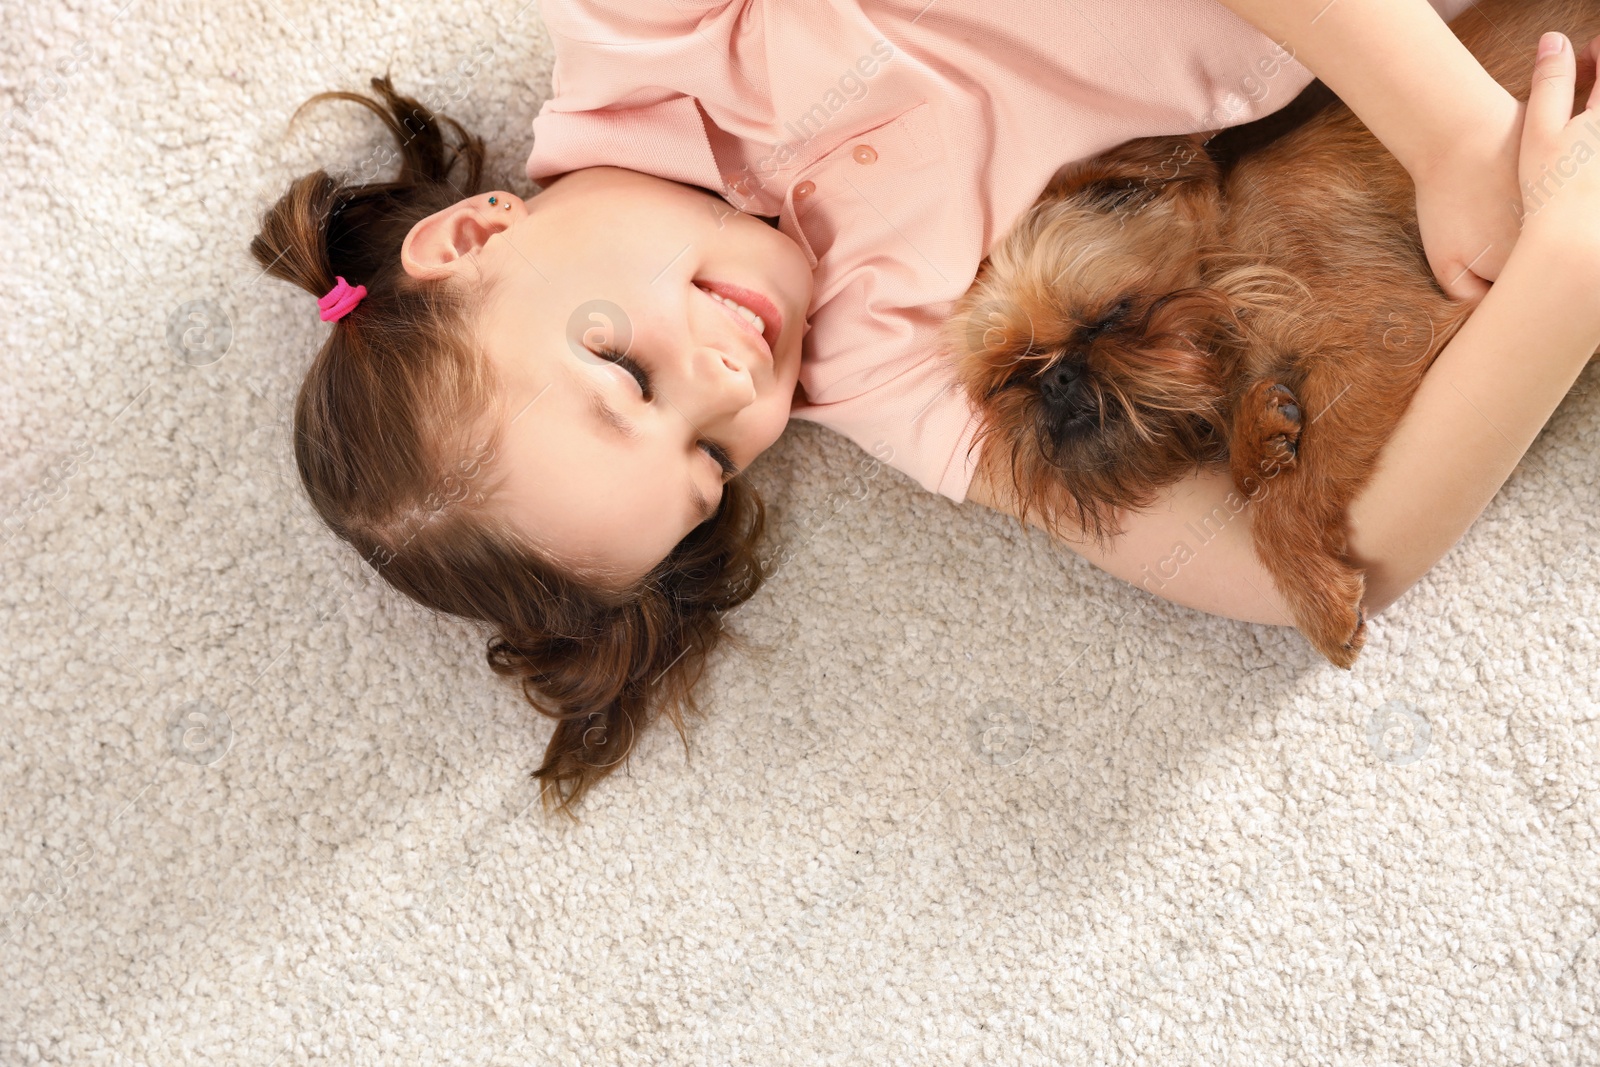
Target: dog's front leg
point(1296, 529)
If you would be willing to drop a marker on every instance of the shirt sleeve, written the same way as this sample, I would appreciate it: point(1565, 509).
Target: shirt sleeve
point(665, 136)
point(595, 117)
point(625, 22)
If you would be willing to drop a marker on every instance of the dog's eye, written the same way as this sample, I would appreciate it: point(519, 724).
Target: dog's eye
point(1108, 320)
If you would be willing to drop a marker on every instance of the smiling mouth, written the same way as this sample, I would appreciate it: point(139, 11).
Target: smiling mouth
point(752, 310)
point(745, 313)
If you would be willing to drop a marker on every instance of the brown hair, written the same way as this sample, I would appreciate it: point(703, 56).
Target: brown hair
point(381, 427)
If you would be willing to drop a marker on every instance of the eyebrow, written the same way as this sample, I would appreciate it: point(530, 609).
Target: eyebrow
point(619, 424)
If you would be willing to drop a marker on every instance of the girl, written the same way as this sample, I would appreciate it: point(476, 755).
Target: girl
point(532, 412)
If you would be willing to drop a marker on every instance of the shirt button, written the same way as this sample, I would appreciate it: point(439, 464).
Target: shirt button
point(804, 189)
point(865, 153)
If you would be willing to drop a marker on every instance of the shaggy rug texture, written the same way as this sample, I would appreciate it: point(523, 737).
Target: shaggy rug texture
point(974, 801)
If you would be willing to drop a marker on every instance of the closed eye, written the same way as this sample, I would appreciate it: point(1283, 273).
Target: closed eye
point(642, 376)
point(1108, 320)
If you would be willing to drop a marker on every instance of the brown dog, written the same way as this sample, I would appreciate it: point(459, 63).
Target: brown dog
point(1162, 307)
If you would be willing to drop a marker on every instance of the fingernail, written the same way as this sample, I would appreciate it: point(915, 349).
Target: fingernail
point(1551, 43)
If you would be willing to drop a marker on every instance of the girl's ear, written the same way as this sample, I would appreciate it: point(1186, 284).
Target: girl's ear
point(447, 240)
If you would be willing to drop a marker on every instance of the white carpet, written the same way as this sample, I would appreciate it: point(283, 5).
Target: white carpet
point(1184, 843)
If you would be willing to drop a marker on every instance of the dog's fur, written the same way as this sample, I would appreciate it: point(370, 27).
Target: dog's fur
point(1162, 307)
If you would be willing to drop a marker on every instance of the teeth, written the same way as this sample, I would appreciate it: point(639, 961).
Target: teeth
point(761, 326)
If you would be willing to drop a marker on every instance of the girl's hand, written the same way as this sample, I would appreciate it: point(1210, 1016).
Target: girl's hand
point(1466, 202)
point(1563, 201)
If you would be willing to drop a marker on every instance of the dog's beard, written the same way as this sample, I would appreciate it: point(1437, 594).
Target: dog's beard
point(1117, 409)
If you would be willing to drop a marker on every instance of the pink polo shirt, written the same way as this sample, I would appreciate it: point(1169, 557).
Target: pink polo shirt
point(895, 142)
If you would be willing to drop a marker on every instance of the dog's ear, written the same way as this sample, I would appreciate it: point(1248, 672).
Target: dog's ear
point(1135, 171)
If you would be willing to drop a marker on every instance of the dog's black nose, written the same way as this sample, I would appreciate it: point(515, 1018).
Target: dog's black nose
point(1064, 389)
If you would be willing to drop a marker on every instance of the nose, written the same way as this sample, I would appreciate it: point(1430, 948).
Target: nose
point(1067, 396)
point(708, 385)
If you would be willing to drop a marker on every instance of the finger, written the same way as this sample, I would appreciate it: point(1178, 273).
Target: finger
point(1549, 102)
point(1591, 60)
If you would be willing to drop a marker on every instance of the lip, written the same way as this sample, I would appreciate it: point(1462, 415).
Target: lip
point(771, 317)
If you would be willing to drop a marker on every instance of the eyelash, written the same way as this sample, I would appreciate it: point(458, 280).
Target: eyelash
point(640, 375)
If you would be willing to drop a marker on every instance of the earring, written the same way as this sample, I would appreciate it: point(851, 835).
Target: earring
point(492, 201)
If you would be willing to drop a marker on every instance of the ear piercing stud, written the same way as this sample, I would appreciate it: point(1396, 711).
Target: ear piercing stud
point(494, 200)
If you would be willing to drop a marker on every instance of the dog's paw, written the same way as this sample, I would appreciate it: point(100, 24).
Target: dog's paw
point(1280, 425)
point(1266, 433)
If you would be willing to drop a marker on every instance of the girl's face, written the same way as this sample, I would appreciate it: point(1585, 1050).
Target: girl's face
point(628, 385)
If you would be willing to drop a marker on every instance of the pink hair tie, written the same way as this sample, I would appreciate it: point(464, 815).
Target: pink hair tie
point(340, 299)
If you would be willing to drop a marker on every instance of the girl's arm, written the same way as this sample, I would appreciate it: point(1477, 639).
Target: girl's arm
point(1432, 105)
point(1476, 412)
point(1394, 62)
